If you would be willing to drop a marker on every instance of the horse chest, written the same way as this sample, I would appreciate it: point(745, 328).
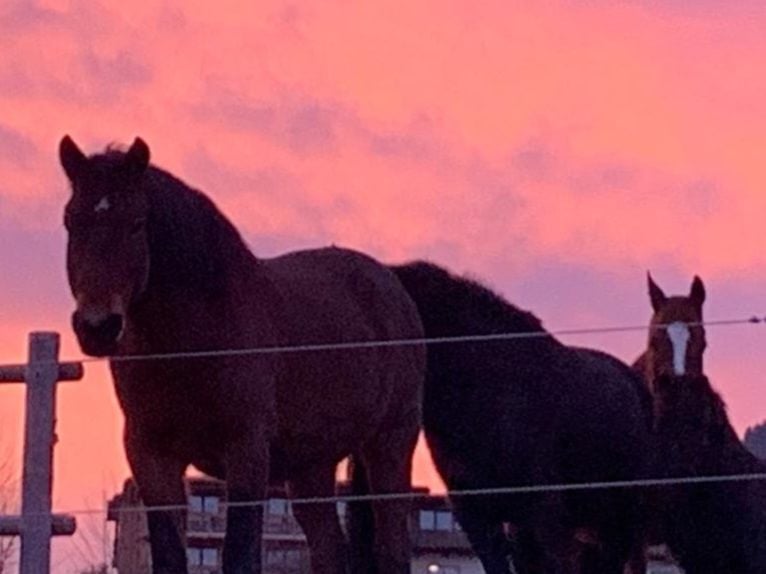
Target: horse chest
point(184, 414)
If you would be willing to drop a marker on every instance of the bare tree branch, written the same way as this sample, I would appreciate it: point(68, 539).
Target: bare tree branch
point(9, 504)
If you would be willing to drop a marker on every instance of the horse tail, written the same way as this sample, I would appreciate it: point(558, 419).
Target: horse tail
point(361, 521)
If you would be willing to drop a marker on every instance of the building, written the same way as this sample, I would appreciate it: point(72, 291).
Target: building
point(439, 546)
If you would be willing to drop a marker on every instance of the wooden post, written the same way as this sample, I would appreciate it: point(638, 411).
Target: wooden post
point(36, 524)
point(41, 377)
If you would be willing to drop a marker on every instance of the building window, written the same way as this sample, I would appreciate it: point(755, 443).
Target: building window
point(278, 507)
point(274, 557)
point(427, 520)
point(441, 520)
point(209, 557)
point(288, 558)
point(194, 556)
point(206, 504)
point(293, 558)
point(202, 556)
point(444, 521)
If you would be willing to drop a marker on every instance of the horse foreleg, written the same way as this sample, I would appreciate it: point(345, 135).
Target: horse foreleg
point(160, 483)
point(247, 472)
point(319, 521)
point(487, 537)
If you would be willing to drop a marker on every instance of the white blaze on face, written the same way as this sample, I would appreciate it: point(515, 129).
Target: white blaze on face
point(678, 333)
point(102, 205)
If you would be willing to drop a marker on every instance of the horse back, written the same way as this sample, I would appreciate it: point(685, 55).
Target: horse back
point(341, 294)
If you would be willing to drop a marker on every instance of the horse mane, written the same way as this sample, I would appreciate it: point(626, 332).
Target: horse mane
point(434, 289)
point(115, 149)
point(690, 398)
point(191, 242)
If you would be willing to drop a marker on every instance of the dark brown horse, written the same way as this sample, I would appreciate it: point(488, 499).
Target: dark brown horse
point(676, 334)
point(155, 268)
point(529, 411)
point(716, 527)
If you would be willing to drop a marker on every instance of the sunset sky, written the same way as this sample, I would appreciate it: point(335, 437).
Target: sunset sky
point(557, 150)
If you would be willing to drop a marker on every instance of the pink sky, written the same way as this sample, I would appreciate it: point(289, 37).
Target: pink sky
point(557, 152)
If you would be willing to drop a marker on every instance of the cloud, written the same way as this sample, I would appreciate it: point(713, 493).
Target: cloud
point(558, 151)
point(303, 127)
point(34, 286)
point(116, 73)
point(23, 15)
point(474, 139)
point(16, 148)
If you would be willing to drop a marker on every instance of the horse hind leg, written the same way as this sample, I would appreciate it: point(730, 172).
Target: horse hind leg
point(388, 461)
point(319, 521)
point(488, 539)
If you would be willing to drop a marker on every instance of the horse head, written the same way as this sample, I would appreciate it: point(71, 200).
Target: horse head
point(108, 247)
point(677, 334)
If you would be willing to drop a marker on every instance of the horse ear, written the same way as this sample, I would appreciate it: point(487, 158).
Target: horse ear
point(656, 295)
point(71, 157)
point(697, 292)
point(137, 157)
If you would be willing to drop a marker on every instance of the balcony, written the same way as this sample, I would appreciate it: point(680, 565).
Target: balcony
point(206, 525)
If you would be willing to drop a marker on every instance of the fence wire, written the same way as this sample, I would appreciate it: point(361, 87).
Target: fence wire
point(470, 338)
point(493, 491)
point(477, 338)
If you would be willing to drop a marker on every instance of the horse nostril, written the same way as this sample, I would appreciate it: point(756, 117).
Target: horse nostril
point(107, 328)
point(110, 328)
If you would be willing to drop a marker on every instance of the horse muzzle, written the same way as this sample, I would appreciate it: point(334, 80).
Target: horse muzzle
point(98, 334)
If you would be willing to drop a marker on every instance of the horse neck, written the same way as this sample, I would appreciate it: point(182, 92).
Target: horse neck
point(699, 437)
point(193, 248)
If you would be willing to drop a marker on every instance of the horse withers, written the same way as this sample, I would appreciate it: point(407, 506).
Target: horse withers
point(166, 288)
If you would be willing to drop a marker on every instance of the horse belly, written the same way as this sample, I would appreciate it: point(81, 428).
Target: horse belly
point(334, 402)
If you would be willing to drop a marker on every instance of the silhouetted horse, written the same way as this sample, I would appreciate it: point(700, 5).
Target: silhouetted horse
point(676, 335)
point(529, 411)
point(676, 345)
point(715, 527)
point(155, 268)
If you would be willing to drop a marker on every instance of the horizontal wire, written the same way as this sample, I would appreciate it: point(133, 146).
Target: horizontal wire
point(268, 350)
point(416, 494)
point(439, 340)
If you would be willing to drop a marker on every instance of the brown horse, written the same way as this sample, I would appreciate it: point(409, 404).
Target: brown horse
point(676, 334)
point(715, 527)
point(676, 344)
point(529, 411)
point(155, 268)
